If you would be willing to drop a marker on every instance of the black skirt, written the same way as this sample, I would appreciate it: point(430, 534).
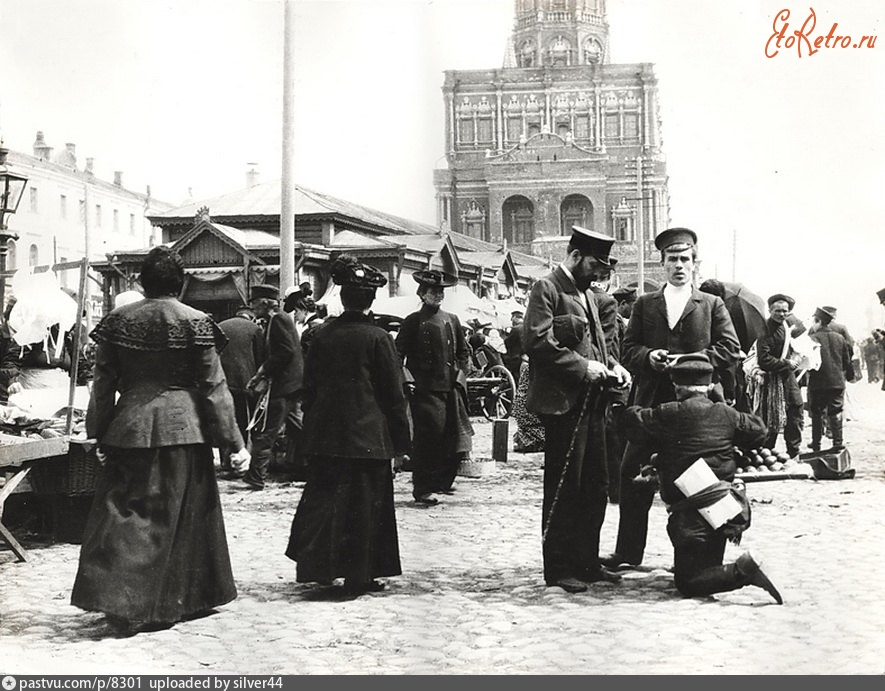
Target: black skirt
point(154, 548)
point(345, 523)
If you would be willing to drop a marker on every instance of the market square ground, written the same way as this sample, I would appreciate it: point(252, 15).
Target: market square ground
point(472, 600)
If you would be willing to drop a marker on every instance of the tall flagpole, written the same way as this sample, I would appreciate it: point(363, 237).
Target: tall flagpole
point(287, 205)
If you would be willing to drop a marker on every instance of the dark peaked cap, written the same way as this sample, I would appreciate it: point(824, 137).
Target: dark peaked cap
point(692, 369)
point(676, 236)
point(432, 278)
point(624, 294)
point(264, 291)
point(589, 242)
point(777, 297)
point(881, 294)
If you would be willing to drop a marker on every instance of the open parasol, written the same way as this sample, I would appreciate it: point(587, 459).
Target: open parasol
point(747, 310)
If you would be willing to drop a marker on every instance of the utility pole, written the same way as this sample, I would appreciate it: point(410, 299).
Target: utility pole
point(87, 247)
point(640, 231)
point(640, 235)
point(287, 203)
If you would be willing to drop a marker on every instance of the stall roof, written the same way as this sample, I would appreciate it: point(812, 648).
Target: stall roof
point(348, 238)
point(265, 199)
point(249, 238)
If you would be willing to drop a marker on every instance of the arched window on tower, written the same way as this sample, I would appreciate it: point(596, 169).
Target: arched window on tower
point(527, 55)
point(592, 52)
point(519, 220)
point(473, 221)
point(33, 256)
point(575, 210)
point(560, 52)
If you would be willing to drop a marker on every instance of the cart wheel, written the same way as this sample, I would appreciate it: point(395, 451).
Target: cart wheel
point(498, 402)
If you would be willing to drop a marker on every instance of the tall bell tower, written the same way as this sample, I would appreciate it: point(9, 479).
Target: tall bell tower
point(560, 33)
point(557, 136)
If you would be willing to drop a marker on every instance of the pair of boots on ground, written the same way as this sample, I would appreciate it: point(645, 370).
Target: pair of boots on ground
point(834, 428)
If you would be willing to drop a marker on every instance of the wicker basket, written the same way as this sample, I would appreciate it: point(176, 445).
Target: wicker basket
point(476, 467)
point(74, 474)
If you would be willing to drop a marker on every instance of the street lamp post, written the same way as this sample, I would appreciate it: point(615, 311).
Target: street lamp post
point(12, 187)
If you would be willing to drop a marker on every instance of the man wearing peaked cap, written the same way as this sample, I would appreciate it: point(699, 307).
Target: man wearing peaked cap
point(690, 428)
point(513, 350)
point(841, 329)
point(625, 299)
point(826, 385)
point(824, 314)
point(566, 341)
point(673, 238)
point(240, 359)
point(434, 351)
point(615, 440)
point(264, 291)
point(772, 349)
point(593, 244)
point(676, 319)
point(625, 295)
point(279, 377)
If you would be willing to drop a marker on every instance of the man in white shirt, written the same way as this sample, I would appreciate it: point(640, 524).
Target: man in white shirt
point(674, 320)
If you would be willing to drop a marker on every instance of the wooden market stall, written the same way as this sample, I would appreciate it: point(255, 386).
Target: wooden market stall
point(52, 458)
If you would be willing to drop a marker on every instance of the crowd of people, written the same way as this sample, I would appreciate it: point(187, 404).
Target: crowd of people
point(623, 393)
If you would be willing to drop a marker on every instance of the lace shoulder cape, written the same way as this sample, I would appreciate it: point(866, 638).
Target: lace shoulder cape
point(159, 324)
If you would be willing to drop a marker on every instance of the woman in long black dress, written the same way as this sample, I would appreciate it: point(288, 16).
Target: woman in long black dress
point(154, 550)
point(355, 422)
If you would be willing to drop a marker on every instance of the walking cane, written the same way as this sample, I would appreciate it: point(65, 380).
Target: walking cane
point(568, 459)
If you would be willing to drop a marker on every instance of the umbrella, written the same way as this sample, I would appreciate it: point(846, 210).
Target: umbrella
point(747, 312)
point(396, 306)
point(467, 305)
point(504, 308)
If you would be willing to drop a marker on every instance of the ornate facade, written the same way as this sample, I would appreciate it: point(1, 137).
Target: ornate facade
point(558, 136)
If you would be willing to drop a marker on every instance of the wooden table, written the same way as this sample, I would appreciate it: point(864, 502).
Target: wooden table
point(17, 455)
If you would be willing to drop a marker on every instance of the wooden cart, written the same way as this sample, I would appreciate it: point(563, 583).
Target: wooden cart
point(491, 394)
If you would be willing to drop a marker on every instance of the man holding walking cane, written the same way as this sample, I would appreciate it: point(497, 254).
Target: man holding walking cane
point(569, 366)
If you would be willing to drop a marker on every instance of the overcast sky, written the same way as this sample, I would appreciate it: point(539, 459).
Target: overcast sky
point(783, 153)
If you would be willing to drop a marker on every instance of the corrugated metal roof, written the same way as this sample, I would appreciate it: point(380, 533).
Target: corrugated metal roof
point(483, 258)
point(521, 258)
point(348, 238)
point(264, 199)
point(427, 243)
point(249, 238)
point(533, 271)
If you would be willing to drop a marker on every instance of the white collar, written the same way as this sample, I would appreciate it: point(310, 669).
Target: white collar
point(680, 291)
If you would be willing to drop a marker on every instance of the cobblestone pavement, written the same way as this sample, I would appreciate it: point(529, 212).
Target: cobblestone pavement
point(472, 600)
